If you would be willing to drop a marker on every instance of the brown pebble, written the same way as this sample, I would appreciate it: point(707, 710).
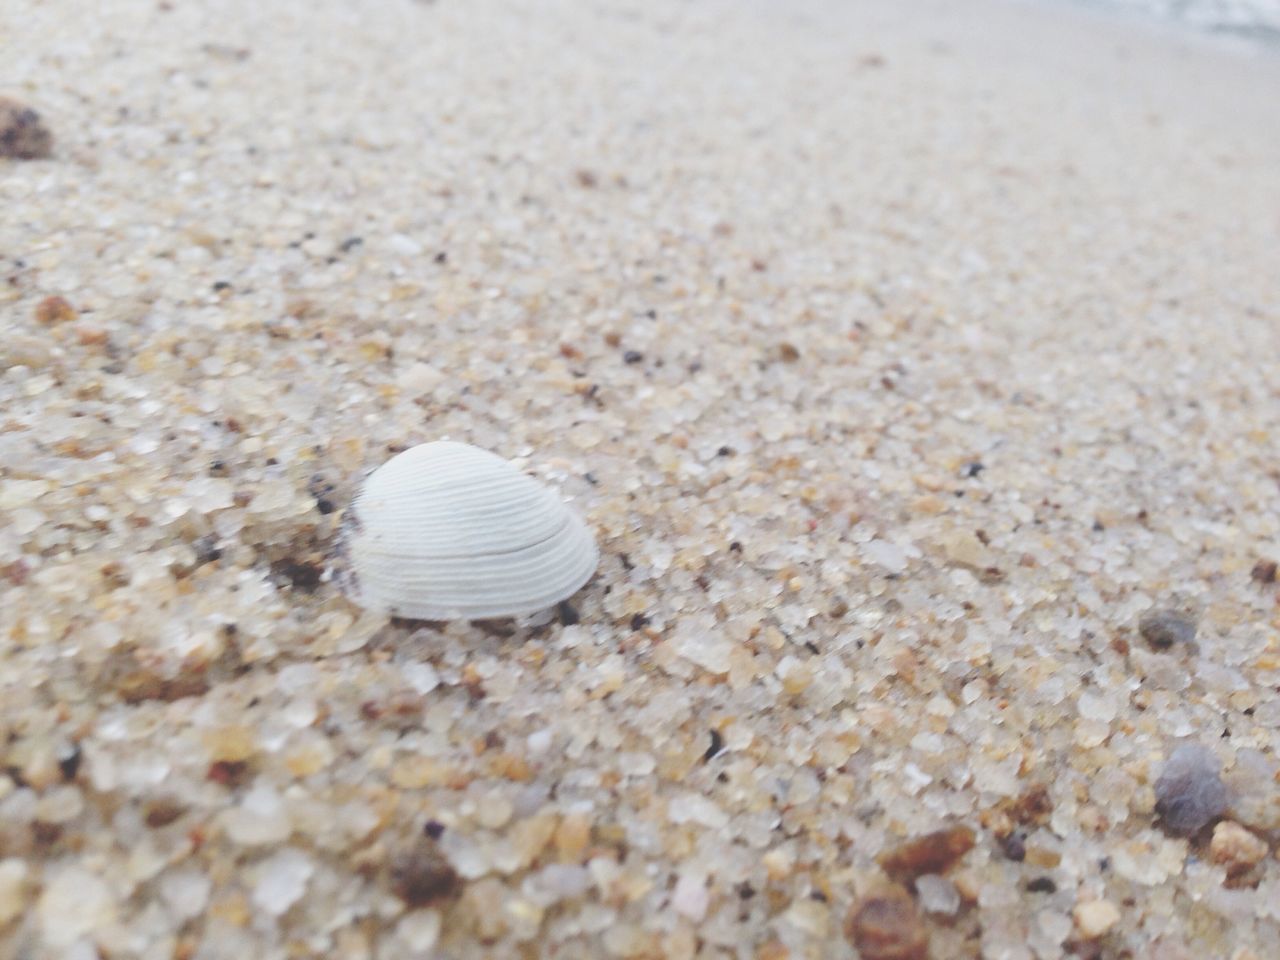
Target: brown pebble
point(1032, 807)
point(420, 875)
point(23, 135)
point(1264, 572)
point(788, 352)
point(587, 179)
point(53, 310)
point(935, 852)
point(46, 834)
point(141, 685)
point(228, 773)
point(885, 925)
point(91, 336)
point(161, 812)
point(299, 309)
point(1239, 851)
point(16, 572)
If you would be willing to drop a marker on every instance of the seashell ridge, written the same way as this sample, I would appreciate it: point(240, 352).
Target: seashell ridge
point(447, 531)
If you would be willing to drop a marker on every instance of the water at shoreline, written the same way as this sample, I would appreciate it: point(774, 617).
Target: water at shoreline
point(1252, 19)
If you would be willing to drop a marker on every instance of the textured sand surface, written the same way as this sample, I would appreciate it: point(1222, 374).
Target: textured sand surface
point(902, 357)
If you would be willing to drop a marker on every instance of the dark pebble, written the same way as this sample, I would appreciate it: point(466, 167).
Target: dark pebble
point(1014, 847)
point(632, 356)
point(301, 576)
point(1190, 793)
point(228, 773)
point(23, 135)
point(886, 925)
point(1163, 628)
point(717, 744)
point(69, 762)
point(421, 875)
point(207, 550)
point(1264, 572)
point(568, 613)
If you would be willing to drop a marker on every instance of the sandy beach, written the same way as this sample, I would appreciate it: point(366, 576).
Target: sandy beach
point(903, 358)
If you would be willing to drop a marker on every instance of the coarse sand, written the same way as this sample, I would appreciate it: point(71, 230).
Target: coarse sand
point(903, 357)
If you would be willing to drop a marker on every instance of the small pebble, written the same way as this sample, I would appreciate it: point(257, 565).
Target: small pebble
point(162, 811)
point(717, 744)
point(885, 925)
point(420, 875)
point(185, 892)
point(1014, 846)
point(1236, 848)
point(935, 852)
point(1190, 793)
point(13, 884)
point(1095, 918)
point(690, 897)
point(1164, 628)
point(23, 135)
point(419, 930)
point(53, 310)
point(282, 880)
point(69, 761)
point(937, 895)
point(1264, 572)
point(75, 902)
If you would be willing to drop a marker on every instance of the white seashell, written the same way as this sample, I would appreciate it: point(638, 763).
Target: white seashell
point(447, 531)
